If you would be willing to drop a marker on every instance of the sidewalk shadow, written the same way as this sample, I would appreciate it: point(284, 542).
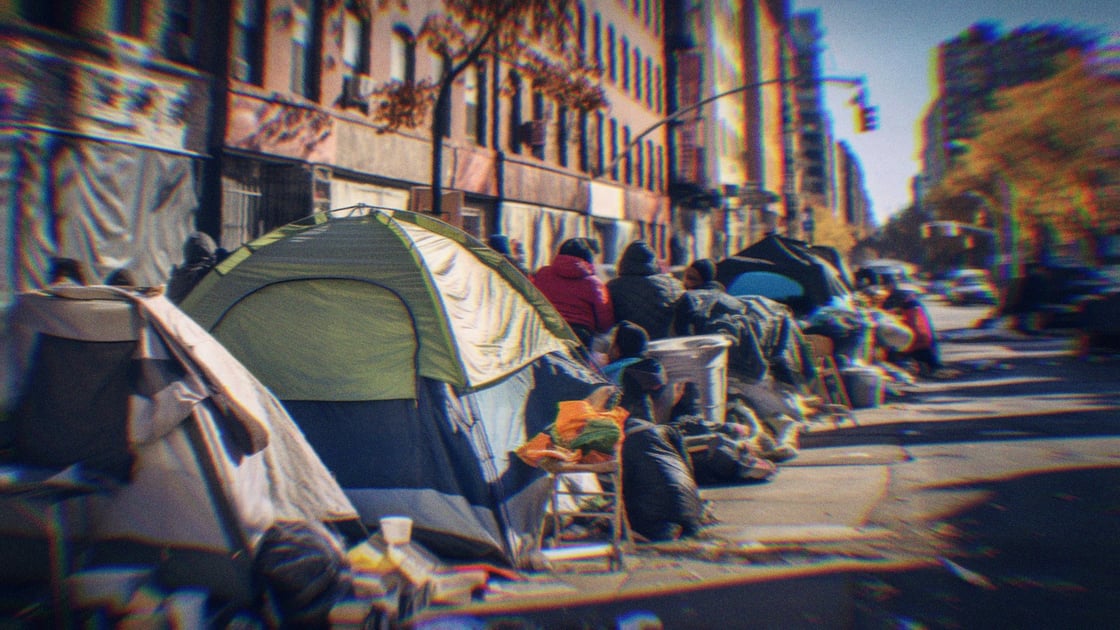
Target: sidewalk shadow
point(1041, 552)
point(1076, 424)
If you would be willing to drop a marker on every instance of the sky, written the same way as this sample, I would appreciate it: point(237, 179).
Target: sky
point(893, 45)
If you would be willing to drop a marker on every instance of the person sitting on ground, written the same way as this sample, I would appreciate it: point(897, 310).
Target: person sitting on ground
point(501, 244)
point(577, 293)
point(646, 391)
point(923, 348)
point(200, 255)
point(642, 293)
point(68, 271)
point(121, 278)
point(704, 301)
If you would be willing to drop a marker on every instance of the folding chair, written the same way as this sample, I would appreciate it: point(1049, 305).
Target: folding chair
point(552, 544)
point(829, 383)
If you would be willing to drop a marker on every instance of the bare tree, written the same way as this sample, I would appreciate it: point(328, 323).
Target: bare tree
point(535, 37)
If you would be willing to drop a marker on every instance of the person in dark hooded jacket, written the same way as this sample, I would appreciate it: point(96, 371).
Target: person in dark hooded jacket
point(646, 390)
point(705, 302)
point(642, 293)
point(200, 254)
point(577, 293)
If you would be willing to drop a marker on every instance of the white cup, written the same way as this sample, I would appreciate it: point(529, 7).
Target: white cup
point(397, 530)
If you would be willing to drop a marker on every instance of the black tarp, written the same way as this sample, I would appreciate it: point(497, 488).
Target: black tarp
point(793, 259)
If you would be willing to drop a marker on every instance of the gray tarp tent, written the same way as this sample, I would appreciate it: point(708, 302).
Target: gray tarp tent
point(414, 358)
point(192, 457)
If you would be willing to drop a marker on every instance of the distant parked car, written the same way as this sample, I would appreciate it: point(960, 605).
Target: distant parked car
point(1063, 290)
point(971, 286)
point(878, 274)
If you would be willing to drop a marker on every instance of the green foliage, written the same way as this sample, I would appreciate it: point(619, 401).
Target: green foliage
point(898, 237)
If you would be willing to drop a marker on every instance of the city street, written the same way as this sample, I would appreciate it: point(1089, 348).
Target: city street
point(989, 500)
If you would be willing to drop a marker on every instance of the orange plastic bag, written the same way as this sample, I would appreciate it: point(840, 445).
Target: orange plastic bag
point(540, 447)
point(573, 416)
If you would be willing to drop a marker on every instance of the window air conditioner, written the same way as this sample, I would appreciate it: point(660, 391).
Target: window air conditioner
point(533, 133)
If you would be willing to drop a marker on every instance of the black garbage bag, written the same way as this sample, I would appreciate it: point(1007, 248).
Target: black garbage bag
point(661, 496)
point(305, 572)
point(728, 460)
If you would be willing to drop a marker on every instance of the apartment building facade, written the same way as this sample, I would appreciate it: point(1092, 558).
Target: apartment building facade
point(300, 136)
point(730, 143)
point(130, 124)
point(105, 124)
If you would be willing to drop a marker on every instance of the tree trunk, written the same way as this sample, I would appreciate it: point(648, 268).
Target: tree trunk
point(439, 130)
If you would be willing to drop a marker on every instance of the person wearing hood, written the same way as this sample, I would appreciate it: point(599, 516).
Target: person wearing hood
point(200, 254)
point(642, 293)
point(504, 246)
point(577, 293)
point(705, 301)
point(646, 390)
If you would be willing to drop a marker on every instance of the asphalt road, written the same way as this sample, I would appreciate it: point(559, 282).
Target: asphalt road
point(1012, 481)
point(989, 500)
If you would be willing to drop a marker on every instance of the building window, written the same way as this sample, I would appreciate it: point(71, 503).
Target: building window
point(402, 56)
point(651, 173)
point(305, 48)
point(562, 133)
point(355, 40)
point(600, 142)
point(614, 147)
point(178, 42)
point(625, 64)
point(581, 32)
point(638, 74)
point(474, 95)
point(627, 170)
point(584, 143)
point(659, 102)
point(515, 112)
point(247, 58)
point(640, 165)
point(597, 40)
point(649, 83)
point(440, 65)
point(660, 168)
point(612, 67)
point(536, 136)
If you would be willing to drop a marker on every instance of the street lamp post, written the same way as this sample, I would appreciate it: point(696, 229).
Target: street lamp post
point(763, 198)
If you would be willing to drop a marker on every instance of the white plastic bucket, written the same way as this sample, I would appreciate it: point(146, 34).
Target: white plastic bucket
point(701, 359)
point(865, 386)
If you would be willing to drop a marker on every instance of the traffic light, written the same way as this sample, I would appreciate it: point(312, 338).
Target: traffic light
point(868, 118)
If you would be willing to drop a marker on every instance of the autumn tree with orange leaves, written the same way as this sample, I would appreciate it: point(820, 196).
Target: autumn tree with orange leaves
point(1047, 158)
point(535, 37)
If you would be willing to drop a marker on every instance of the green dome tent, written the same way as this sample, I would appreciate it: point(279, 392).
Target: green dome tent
point(414, 358)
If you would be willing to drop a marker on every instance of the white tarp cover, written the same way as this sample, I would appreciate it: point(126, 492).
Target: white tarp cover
point(110, 205)
point(207, 439)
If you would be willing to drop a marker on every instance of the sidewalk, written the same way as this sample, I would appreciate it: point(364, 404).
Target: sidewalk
point(809, 521)
point(797, 550)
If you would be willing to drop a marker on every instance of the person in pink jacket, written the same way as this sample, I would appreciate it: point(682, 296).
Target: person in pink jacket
point(577, 293)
